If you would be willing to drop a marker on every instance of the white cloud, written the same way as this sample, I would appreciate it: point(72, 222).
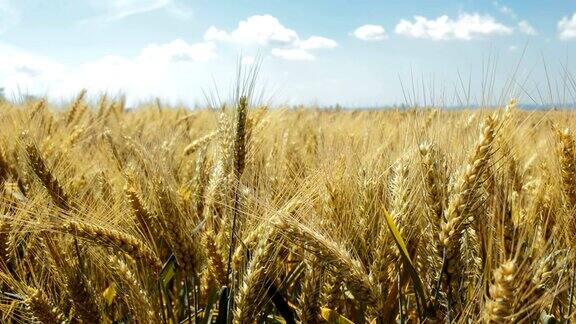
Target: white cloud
point(21, 71)
point(147, 71)
point(370, 33)
point(466, 27)
point(178, 51)
point(567, 28)
point(114, 10)
point(293, 54)
point(151, 72)
point(317, 42)
point(526, 28)
point(215, 34)
point(258, 29)
point(266, 30)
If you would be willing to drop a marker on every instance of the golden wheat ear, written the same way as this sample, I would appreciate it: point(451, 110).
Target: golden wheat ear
point(141, 296)
point(147, 222)
point(47, 178)
point(83, 297)
point(251, 296)
point(461, 207)
point(309, 300)
point(567, 157)
point(41, 308)
point(4, 167)
point(199, 143)
point(342, 264)
point(499, 307)
point(115, 239)
point(435, 181)
point(188, 253)
point(75, 107)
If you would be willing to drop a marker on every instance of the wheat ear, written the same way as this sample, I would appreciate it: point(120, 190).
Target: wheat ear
point(139, 293)
point(147, 222)
point(199, 143)
point(112, 238)
point(500, 305)
point(215, 257)
point(73, 111)
point(240, 138)
point(309, 300)
point(435, 181)
point(42, 308)
point(567, 155)
point(463, 199)
point(50, 182)
point(256, 281)
point(4, 167)
point(336, 257)
point(83, 297)
point(188, 254)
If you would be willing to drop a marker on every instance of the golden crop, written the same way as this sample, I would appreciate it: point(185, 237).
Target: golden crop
point(245, 214)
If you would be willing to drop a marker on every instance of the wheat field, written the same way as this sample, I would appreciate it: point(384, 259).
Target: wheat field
point(247, 214)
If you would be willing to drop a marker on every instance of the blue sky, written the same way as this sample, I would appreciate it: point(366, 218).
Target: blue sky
point(325, 51)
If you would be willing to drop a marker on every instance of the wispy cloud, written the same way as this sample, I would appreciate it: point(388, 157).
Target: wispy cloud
point(317, 42)
point(114, 10)
point(370, 33)
point(293, 54)
point(465, 27)
point(526, 28)
point(567, 28)
point(267, 30)
point(505, 10)
point(178, 51)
